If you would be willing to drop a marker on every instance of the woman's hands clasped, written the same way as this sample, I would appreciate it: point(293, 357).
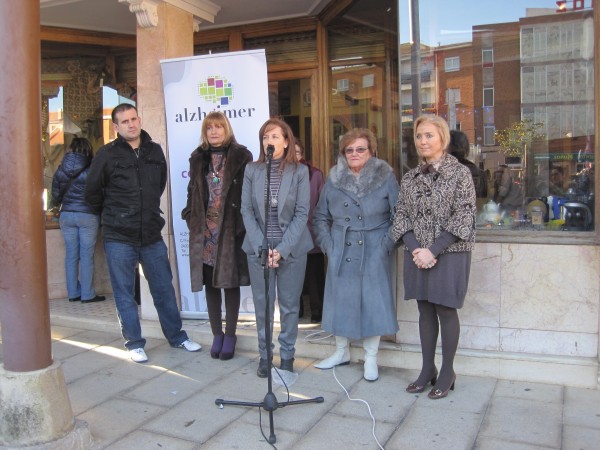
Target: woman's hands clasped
point(423, 258)
point(274, 258)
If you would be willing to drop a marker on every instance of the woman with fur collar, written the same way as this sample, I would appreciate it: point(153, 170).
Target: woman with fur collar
point(352, 223)
point(212, 213)
point(435, 219)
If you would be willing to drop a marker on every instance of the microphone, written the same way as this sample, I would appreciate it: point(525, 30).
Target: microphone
point(270, 151)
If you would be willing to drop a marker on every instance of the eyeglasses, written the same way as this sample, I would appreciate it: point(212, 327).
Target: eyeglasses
point(359, 150)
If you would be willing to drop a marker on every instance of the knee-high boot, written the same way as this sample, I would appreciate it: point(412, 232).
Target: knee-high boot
point(340, 357)
point(371, 346)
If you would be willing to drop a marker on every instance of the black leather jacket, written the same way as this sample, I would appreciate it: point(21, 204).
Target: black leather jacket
point(73, 166)
point(127, 188)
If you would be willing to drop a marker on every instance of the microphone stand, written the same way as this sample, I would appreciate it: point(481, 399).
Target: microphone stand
point(270, 402)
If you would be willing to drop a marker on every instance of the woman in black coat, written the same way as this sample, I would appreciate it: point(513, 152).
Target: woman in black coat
point(78, 221)
point(217, 231)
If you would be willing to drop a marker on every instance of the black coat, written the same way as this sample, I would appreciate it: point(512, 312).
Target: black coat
point(127, 189)
point(74, 166)
point(231, 268)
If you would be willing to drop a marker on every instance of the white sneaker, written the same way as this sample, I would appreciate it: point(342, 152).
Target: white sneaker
point(138, 355)
point(190, 345)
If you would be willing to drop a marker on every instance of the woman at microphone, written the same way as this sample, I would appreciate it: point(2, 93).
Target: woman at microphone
point(284, 208)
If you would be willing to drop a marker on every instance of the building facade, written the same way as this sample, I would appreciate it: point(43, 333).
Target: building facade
point(533, 307)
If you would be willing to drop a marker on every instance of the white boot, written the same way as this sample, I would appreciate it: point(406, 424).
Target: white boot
point(371, 346)
point(340, 357)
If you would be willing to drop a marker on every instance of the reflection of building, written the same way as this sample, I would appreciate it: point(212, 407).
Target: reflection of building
point(55, 128)
point(455, 92)
point(557, 89)
point(495, 79)
point(428, 82)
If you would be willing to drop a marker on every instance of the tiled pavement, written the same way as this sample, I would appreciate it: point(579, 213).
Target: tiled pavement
point(169, 402)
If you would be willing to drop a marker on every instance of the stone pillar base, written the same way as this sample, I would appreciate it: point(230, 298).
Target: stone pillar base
point(35, 411)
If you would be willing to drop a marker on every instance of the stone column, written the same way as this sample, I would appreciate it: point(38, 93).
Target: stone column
point(164, 31)
point(34, 403)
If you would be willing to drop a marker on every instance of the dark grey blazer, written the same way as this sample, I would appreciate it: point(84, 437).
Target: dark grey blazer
point(292, 212)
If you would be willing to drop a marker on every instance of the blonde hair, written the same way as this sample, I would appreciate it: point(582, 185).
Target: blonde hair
point(439, 123)
point(219, 119)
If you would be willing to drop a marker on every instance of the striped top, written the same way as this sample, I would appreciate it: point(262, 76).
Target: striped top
point(274, 231)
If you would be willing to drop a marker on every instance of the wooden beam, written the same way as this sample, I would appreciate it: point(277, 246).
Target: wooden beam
point(73, 36)
point(334, 9)
point(255, 30)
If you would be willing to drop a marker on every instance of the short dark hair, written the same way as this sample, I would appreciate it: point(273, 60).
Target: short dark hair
point(83, 146)
point(459, 144)
point(300, 146)
point(119, 109)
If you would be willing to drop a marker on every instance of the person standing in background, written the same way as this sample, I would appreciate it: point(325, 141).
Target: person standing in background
point(352, 222)
point(435, 219)
point(78, 221)
point(287, 236)
point(126, 181)
point(217, 231)
point(314, 277)
point(459, 148)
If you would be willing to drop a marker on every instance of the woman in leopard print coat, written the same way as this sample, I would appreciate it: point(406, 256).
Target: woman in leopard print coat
point(435, 218)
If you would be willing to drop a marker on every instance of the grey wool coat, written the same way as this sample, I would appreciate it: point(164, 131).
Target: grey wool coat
point(352, 223)
point(231, 268)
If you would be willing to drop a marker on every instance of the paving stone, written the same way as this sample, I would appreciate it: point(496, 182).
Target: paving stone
point(523, 420)
point(530, 391)
point(147, 440)
point(431, 428)
point(356, 433)
point(195, 419)
point(116, 418)
point(95, 389)
point(582, 408)
point(580, 438)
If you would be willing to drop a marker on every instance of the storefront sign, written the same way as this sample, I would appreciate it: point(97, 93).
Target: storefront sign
point(235, 84)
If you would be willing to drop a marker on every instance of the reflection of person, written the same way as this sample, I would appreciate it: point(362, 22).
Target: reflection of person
point(78, 221)
point(216, 228)
point(352, 220)
point(126, 181)
point(557, 180)
point(435, 218)
point(287, 236)
point(314, 278)
point(507, 193)
point(459, 148)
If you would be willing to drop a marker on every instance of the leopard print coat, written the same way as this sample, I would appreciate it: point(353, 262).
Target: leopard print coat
point(434, 202)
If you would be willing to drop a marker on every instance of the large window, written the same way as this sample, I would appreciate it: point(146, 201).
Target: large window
point(364, 76)
point(526, 77)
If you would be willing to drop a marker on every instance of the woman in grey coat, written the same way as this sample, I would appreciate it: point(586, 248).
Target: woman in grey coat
point(352, 223)
point(285, 212)
point(435, 218)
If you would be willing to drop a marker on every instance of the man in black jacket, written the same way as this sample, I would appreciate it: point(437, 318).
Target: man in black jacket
point(125, 183)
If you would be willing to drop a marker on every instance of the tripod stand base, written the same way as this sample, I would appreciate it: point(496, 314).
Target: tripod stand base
point(270, 404)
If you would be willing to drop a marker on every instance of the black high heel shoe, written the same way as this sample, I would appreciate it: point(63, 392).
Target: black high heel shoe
point(414, 388)
point(436, 394)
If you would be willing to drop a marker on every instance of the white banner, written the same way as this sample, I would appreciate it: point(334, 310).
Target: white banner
point(235, 84)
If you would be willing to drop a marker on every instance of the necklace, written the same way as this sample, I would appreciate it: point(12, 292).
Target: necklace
point(274, 194)
point(216, 174)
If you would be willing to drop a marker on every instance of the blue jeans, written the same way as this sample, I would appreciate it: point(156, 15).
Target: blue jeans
point(122, 261)
point(79, 231)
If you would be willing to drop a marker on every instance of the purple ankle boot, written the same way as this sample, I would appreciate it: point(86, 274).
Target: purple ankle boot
point(228, 349)
point(217, 344)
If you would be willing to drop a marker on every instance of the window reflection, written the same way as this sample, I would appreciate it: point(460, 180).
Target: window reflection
point(518, 79)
